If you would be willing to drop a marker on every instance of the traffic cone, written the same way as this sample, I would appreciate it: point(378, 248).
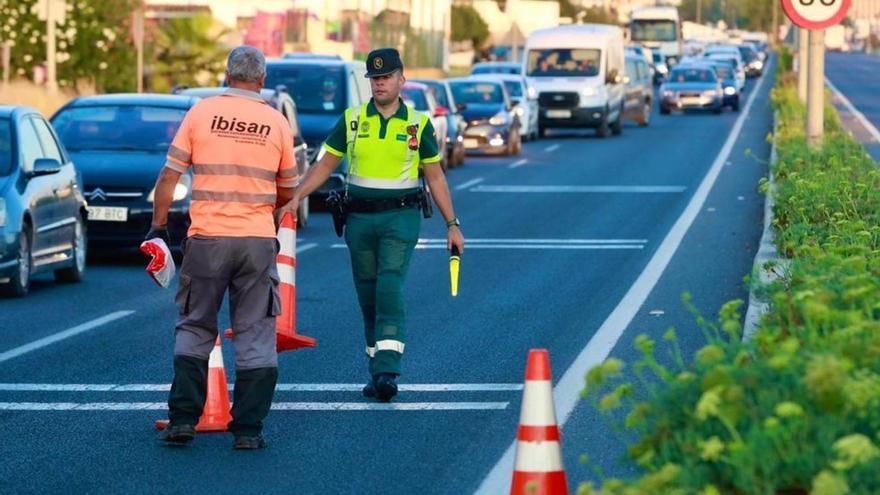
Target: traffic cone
point(216, 415)
point(538, 468)
point(285, 324)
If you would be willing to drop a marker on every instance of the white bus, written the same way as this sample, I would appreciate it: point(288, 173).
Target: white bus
point(658, 28)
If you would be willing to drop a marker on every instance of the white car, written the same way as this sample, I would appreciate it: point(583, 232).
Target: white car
point(422, 99)
point(740, 69)
point(524, 96)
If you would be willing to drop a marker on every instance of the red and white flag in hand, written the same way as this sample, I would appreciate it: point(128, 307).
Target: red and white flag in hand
point(161, 267)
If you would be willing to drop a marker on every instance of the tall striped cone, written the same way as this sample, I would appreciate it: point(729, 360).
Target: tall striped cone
point(285, 324)
point(538, 468)
point(216, 415)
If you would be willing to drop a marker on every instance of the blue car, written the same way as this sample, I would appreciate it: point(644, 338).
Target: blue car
point(455, 122)
point(42, 209)
point(119, 143)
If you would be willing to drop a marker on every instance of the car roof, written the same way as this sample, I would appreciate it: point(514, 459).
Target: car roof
point(8, 111)
point(152, 99)
point(415, 85)
point(475, 79)
point(207, 92)
point(311, 56)
point(497, 77)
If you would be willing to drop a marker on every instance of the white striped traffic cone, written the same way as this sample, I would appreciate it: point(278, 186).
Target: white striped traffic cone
point(538, 468)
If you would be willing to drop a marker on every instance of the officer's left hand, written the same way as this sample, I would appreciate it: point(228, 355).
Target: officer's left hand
point(455, 238)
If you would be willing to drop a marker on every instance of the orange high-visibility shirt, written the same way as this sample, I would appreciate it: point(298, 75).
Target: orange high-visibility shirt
point(240, 150)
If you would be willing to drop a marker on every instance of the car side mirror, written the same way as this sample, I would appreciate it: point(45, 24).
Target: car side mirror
point(46, 166)
point(441, 111)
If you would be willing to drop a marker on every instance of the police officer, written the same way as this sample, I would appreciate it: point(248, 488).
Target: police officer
point(387, 142)
point(239, 151)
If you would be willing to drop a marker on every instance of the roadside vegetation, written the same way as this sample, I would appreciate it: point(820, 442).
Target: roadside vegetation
point(796, 409)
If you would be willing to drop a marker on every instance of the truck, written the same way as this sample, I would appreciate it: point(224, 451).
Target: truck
point(658, 28)
point(835, 39)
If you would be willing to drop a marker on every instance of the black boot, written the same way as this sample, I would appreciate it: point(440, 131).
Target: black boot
point(252, 399)
point(178, 434)
point(189, 390)
point(386, 387)
point(369, 389)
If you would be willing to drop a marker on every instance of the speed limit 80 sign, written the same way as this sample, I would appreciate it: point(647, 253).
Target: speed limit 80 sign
point(816, 14)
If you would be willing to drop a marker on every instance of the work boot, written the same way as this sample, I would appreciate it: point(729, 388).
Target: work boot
point(178, 434)
point(369, 390)
point(248, 442)
point(386, 387)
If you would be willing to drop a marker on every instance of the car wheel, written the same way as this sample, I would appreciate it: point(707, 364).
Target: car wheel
point(302, 214)
point(76, 272)
point(664, 110)
point(735, 106)
point(20, 282)
point(602, 130)
point(542, 132)
point(717, 110)
point(646, 115)
point(617, 125)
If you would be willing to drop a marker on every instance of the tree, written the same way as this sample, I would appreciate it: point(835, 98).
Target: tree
point(467, 25)
point(597, 15)
point(187, 52)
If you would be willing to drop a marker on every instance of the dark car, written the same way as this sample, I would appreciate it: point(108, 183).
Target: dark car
point(42, 208)
point(639, 90)
point(496, 68)
point(754, 65)
point(119, 143)
point(493, 127)
point(691, 87)
point(454, 121)
point(322, 88)
point(279, 100)
point(725, 71)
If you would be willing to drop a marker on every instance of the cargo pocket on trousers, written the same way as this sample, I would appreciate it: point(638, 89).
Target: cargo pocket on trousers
point(274, 295)
point(184, 291)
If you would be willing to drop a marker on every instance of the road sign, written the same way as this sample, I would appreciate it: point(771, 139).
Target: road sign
point(816, 14)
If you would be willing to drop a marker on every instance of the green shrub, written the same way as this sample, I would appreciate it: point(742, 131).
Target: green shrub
point(797, 409)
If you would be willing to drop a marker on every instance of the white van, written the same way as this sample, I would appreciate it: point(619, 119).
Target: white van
point(578, 71)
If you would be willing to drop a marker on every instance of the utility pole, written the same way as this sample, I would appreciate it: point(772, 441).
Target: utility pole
point(699, 11)
point(138, 35)
point(51, 73)
point(803, 57)
point(774, 28)
point(816, 89)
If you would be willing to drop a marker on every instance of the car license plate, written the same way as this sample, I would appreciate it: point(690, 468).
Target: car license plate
point(471, 143)
point(558, 114)
point(691, 101)
point(108, 214)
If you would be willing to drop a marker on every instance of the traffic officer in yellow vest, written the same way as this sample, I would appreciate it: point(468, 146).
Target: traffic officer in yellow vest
point(387, 143)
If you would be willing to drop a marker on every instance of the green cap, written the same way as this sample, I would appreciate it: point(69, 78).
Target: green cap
point(383, 61)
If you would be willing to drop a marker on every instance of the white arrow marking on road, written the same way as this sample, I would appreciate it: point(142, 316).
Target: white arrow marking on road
point(581, 189)
point(568, 390)
point(468, 184)
point(519, 163)
point(278, 406)
point(551, 148)
point(281, 387)
point(852, 109)
point(51, 339)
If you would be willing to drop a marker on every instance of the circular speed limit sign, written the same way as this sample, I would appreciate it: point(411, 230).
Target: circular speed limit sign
point(816, 14)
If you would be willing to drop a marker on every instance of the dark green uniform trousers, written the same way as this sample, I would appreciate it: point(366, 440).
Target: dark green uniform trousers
point(381, 246)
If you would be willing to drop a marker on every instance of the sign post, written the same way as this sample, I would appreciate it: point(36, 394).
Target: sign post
point(815, 16)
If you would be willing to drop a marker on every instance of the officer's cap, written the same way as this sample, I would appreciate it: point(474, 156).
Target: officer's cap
point(383, 61)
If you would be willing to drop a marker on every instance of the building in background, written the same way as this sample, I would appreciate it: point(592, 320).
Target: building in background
point(509, 27)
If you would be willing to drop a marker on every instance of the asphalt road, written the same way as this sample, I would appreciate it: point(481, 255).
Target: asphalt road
point(854, 75)
point(569, 232)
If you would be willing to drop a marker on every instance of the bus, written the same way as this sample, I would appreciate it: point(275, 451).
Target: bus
point(658, 28)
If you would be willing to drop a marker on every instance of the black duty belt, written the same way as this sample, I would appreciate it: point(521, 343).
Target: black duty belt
point(380, 205)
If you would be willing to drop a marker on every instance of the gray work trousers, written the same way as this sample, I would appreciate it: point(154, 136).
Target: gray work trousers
point(246, 267)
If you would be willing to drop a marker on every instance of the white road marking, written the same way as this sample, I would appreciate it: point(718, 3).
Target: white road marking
point(872, 130)
point(581, 189)
point(277, 406)
point(551, 148)
point(539, 246)
point(56, 337)
point(519, 163)
point(542, 241)
point(656, 312)
point(470, 183)
point(281, 387)
point(567, 390)
point(306, 247)
point(568, 244)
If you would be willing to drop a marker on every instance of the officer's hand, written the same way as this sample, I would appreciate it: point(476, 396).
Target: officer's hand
point(291, 206)
point(455, 238)
point(159, 232)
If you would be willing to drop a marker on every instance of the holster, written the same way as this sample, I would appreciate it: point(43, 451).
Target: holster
point(336, 203)
point(425, 201)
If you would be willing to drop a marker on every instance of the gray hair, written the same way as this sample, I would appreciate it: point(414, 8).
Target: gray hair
point(246, 64)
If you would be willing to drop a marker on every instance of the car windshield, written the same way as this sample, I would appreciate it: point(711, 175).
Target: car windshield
point(477, 93)
point(692, 76)
point(653, 30)
point(563, 62)
point(725, 59)
point(314, 88)
point(514, 89)
point(439, 93)
point(747, 53)
point(495, 69)
point(118, 127)
point(5, 147)
point(417, 97)
point(723, 72)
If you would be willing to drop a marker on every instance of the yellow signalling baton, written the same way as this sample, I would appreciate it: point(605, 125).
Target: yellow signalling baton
point(454, 261)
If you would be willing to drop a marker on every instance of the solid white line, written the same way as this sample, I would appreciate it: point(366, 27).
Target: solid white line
point(581, 189)
point(281, 387)
point(567, 391)
point(539, 246)
point(542, 241)
point(51, 339)
point(470, 183)
point(551, 148)
point(519, 163)
point(277, 406)
point(852, 109)
point(305, 247)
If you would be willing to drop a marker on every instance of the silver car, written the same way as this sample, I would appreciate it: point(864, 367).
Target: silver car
point(525, 98)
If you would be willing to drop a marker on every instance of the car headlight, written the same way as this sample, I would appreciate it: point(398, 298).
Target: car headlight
point(668, 94)
point(671, 60)
point(758, 64)
point(729, 90)
point(533, 93)
point(710, 93)
point(181, 189)
point(662, 68)
point(2, 212)
point(520, 111)
point(499, 118)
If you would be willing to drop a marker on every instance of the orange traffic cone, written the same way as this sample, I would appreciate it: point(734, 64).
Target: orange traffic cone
point(216, 415)
point(285, 324)
point(538, 468)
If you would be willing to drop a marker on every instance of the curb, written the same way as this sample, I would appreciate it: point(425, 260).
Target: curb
point(765, 257)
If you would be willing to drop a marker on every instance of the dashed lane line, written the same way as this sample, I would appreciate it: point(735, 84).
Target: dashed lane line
point(470, 183)
point(281, 387)
point(277, 406)
point(519, 163)
point(581, 189)
point(551, 148)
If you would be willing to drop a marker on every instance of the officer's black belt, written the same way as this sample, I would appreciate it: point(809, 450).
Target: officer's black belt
point(380, 205)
